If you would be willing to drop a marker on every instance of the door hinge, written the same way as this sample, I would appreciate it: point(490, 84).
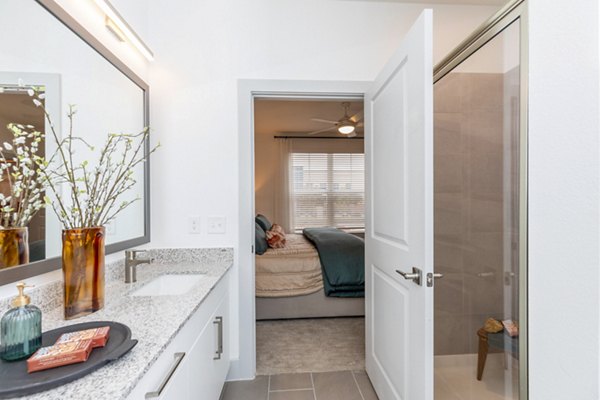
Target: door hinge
point(252, 249)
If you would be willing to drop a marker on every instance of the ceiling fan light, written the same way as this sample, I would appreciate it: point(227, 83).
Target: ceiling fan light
point(346, 129)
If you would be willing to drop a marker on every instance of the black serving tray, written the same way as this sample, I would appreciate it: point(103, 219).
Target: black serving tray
point(15, 381)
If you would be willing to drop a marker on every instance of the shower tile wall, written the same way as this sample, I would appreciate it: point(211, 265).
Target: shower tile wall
point(470, 142)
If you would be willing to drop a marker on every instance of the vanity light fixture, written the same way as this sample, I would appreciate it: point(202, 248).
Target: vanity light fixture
point(117, 25)
point(114, 29)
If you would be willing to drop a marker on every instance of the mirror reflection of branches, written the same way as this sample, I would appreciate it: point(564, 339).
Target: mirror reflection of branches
point(108, 99)
point(21, 187)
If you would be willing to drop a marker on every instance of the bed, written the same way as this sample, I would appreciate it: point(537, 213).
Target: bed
point(289, 284)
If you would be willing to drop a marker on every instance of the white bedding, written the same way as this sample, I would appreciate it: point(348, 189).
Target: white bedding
point(291, 271)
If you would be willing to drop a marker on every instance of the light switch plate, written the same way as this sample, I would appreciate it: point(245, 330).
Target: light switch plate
point(194, 224)
point(217, 224)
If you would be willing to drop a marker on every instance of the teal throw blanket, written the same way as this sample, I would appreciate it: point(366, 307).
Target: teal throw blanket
point(342, 259)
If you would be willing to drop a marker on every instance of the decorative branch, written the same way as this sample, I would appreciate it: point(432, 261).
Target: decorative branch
point(25, 180)
point(94, 192)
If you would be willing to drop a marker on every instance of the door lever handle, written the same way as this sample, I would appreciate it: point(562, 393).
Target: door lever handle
point(416, 275)
point(431, 276)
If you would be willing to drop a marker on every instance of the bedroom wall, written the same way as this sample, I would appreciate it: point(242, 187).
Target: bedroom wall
point(266, 164)
point(203, 48)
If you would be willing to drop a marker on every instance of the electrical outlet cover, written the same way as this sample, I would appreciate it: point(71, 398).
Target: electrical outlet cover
point(194, 224)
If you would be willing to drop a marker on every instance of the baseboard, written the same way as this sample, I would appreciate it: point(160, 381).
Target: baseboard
point(236, 372)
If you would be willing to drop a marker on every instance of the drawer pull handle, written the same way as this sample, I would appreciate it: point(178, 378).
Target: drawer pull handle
point(219, 322)
point(178, 357)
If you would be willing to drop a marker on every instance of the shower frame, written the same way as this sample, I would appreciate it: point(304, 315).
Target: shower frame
point(515, 10)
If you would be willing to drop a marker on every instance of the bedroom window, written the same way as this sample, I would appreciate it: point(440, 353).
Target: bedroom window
point(328, 189)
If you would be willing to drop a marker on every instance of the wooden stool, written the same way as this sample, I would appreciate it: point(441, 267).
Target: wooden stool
point(498, 340)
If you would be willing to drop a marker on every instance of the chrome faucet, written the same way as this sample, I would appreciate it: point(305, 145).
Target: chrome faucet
point(131, 263)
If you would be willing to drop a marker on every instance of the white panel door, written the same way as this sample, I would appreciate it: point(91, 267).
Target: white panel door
point(399, 220)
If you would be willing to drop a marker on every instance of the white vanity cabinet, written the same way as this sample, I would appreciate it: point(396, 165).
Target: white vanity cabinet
point(195, 363)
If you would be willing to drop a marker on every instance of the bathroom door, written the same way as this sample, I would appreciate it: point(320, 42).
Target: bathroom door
point(399, 220)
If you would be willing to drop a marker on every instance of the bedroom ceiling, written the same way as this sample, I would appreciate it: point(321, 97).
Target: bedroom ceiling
point(276, 117)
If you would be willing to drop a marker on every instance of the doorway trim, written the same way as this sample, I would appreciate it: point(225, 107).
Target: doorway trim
point(244, 337)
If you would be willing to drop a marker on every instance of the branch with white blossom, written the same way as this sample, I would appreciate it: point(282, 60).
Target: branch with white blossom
point(94, 191)
point(19, 167)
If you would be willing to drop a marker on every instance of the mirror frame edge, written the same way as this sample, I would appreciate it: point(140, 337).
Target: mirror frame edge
point(20, 272)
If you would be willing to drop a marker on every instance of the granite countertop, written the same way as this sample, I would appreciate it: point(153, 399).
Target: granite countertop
point(154, 320)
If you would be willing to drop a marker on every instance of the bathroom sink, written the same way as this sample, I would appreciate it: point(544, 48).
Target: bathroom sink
point(169, 285)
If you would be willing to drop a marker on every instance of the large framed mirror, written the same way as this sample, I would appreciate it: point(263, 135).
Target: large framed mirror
point(45, 48)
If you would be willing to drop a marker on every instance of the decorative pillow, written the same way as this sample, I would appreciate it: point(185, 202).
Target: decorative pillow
point(277, 228)
point(263, 222)
point(276, 237)
point(260, 244)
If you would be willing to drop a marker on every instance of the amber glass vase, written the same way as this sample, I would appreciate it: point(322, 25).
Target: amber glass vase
point(83, 271)
point(14, 247)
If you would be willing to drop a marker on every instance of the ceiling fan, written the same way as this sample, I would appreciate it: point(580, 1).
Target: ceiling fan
point(346, 125)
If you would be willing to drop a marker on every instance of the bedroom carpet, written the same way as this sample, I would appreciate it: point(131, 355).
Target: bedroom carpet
point(310, 345)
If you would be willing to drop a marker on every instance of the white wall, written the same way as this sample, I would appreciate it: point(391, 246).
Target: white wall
point(203, 48)
point(564, 200)
point(135, 12)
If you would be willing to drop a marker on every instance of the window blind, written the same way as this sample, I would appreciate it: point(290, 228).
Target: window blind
point(327, 189)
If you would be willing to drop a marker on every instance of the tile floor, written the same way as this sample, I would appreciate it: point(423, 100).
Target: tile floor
point(455, 378)
point(336, 385)
point(323, 359)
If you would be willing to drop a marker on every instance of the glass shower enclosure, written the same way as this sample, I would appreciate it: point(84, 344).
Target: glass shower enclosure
point(478, 210)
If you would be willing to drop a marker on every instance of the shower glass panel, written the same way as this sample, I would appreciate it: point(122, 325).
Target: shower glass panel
point(476, 117)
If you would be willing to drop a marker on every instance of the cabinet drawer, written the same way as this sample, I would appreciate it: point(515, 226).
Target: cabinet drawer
point(175, 376)
point(174, 384)
point(209, 357)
